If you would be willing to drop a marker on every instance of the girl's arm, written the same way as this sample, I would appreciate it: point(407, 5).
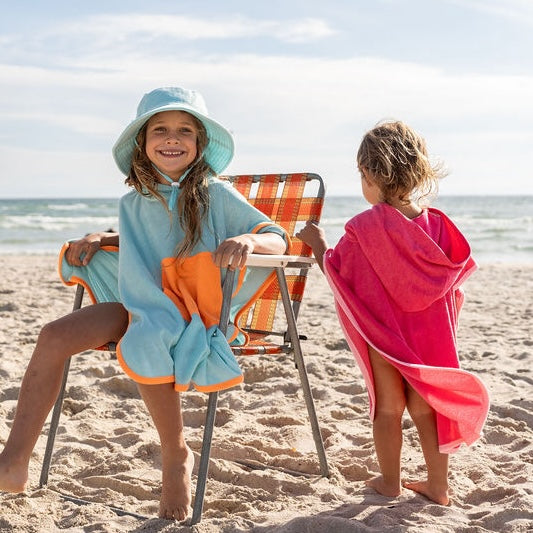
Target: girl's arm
point(234, 252)
point(315, 237)
point(80, 252)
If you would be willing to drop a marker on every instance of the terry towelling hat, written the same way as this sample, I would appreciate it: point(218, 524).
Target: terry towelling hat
point(220, 146)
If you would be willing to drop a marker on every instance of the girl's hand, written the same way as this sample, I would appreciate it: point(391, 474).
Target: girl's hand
point(315, 237)
point(80, 252)
point(312, 234)
point(233, 252)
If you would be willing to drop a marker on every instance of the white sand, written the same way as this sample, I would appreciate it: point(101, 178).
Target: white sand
point(107, 450)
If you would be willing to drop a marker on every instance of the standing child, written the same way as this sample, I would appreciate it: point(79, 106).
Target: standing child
point(178, 227)
point(396, 277)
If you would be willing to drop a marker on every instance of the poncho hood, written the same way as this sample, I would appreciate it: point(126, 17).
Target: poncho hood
point(414, 270)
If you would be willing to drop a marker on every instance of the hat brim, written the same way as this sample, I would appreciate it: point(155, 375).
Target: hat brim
point(218, 153)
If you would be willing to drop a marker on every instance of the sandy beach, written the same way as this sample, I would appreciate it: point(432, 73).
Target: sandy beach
point(107, 451)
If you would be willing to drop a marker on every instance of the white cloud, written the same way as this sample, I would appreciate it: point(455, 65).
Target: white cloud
point(515, 10)
point(74, 122)
point(301, 85)
point(302, 30)
point(128, 30)
point(287, 112)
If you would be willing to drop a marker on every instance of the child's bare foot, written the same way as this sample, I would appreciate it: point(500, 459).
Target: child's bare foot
point(435, 494)
point(175, 502)
point(13, 477)
point(379, 485)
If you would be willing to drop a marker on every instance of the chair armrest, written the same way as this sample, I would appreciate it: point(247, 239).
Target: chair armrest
point(266, 260)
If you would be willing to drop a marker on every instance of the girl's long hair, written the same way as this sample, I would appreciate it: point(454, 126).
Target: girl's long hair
point(193, 201)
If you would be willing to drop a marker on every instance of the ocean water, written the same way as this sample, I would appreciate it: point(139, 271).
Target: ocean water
point(499, 228)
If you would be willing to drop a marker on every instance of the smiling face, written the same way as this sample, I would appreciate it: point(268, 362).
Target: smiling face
point(170, 144)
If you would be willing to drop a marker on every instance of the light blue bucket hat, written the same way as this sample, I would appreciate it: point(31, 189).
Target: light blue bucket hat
point(220, 146)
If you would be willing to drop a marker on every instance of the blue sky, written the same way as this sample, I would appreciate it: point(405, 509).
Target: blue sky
point(297, 82)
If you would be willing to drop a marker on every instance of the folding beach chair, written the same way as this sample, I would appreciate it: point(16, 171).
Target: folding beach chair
point(286, 199)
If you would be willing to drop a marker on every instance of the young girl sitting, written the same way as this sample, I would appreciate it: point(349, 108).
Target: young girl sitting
point(178, 227)
point(396, 277)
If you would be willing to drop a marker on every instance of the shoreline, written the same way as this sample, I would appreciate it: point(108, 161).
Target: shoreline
point(107, 450)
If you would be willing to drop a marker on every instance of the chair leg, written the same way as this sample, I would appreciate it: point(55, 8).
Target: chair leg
point(203, 467)
point(54, 422)
point(300, 365)
point(58, 405)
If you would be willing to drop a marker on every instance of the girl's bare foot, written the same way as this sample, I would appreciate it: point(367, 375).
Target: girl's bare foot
point(435, 494)
point(175, 503)
point(13, 476)
point(379, 485)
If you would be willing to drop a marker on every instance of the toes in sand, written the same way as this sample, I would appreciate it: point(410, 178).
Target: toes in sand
point(175, 503)
point(385, 489)
point(435, 494)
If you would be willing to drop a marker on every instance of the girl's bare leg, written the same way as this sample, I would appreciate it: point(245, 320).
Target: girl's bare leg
point(87, 328)
point(387, 424)
point(436, 486)
point(164, 406)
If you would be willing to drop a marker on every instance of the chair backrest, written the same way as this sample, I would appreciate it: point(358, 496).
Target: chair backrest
point(287, 199)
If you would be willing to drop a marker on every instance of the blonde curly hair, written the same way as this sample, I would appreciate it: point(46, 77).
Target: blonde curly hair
point(396, 158)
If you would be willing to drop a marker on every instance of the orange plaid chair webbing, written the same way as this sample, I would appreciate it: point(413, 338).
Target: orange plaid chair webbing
point(286, 199)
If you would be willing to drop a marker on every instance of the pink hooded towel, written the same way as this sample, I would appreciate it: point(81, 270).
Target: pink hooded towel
point(396, 284)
